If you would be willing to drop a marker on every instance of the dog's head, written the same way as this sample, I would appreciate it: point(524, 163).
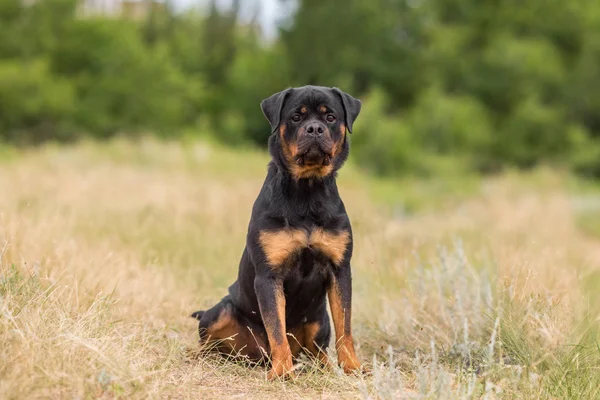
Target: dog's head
point(309, 126)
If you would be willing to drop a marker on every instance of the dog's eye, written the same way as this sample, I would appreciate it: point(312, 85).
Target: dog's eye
point(330, 118)
point(296, 118)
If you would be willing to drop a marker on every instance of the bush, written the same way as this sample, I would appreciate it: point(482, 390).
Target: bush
point(512, 68)
point(255, 75)
point(533, 132)
point(585, 155)
point(442, 135)
point(121, 85)
point(382, 142)
point(452, 126)
point(34, 104)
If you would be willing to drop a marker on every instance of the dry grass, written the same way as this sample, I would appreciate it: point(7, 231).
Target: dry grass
point(106, 249)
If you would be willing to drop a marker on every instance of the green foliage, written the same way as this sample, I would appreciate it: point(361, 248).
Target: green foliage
point(33, 102)
point(382, 142)
point(448, 87)
point(256, 74)
point(533, 132)
point(441, 134)
point(121, 85)
point(451, 126)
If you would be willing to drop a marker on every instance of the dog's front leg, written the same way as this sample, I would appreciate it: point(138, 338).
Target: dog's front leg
point(340, 302)
point(271, 300)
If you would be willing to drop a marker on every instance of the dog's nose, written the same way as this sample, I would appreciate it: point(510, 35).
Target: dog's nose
point(315, 128)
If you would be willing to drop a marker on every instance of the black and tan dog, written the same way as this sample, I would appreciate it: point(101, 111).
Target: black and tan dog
point(299, 241)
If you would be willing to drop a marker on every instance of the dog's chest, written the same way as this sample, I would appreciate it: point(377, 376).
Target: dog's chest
point(290, 245)
point(305, 281)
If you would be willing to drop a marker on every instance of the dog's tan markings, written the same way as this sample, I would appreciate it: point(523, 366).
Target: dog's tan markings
point(303, 110)
point(310, 334)
point(289, 150)
point(231, 337)
point(296, 338)
point(333, 245)
point(302, 340)
point(344, 343)
point(281, 355)
point(302, 171)
point(340, 143)
point(323, 109)
point(222, 323)
point(311, 172)
point(279, 245)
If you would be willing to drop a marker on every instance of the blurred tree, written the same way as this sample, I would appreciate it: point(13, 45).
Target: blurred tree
point(449, 87)
point(365, 42)
point(34, 105)
point(218, 54)
point(121, 85)
point(30, 30)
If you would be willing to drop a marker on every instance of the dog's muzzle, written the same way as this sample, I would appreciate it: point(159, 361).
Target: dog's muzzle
point(314, 145)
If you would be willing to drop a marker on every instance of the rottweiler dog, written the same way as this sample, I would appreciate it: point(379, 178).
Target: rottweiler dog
point(299, 242)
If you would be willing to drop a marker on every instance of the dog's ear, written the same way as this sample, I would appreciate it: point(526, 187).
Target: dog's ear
point(351, 106)
point(272, 106)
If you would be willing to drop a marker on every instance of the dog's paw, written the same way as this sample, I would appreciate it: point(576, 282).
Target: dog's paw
point(351, 366)
point(283, 369)
point(282, 375)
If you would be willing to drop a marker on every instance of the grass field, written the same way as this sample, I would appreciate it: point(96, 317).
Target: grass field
point(471, 289)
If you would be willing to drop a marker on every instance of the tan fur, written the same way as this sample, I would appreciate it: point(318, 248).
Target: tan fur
point(303, 338)
point(310, 333)
point(281, 355)
point(233, 338)
point(297, 341)
point(343, 342)
point(318, 171)
point(303, 110)
point(290, 151)
point(333, 245)
point(220, 324)
point(278, 246)
point(340, 143)
point(281, 362)
point(337, 311)
point(323, 109)
point(280, 301)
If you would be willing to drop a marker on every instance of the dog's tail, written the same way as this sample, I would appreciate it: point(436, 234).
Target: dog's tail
point(197, 315)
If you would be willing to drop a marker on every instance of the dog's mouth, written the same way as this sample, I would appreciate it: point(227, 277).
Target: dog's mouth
point(313, 157)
